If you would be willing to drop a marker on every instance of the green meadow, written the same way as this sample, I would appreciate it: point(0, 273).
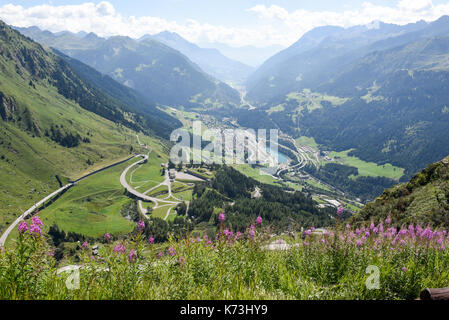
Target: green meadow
point(92, 206)
point(368, 169)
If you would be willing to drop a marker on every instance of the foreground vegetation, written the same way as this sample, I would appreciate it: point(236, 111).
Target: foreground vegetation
point(339, 264)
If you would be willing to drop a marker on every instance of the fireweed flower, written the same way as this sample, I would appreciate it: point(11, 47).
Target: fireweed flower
point(380, 227)
point(107, 236)
point(308, 232)
point(252, 233)
point(132, 255)
point(259, 220)
point(404, 269)
point(172, 251)
point(151, 240)
point(37, 221)
point(388, 220)
point(35, 230)
point(85, 245)
point(221, 217)
point(159, 255)
point(120, 248)
point(140, 226)
point(181, 260)
point(340, 210)
point(23, 227)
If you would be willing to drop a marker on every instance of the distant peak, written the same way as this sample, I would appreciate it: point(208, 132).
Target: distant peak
point(443, 19)
point(376, 24)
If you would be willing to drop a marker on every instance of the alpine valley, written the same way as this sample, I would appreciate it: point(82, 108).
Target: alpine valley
point(86, 128)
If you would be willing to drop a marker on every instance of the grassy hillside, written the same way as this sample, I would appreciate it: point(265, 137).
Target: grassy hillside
point(47, 133)
point(424, 200)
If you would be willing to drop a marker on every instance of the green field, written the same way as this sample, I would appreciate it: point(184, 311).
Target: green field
point(91, 207)
point(248, 171)
point(184, 195)
point(368, 169)
point(318, 185)
point(149, 174)
point(161, 212)
point(161, 191)
point(307, 141)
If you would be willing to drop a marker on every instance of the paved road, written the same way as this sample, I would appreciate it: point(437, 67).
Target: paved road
point(30, 211)
point(134, 191)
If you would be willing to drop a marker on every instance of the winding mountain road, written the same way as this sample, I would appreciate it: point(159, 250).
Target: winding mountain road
point(30, 211)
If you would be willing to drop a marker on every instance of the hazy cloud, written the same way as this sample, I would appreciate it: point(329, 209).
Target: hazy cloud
point(276, 25)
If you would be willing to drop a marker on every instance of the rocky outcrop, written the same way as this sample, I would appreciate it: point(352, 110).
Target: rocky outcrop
point(7, 107)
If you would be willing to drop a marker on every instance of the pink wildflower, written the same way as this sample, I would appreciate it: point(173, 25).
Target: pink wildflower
point(23, 227)
point(132, 255)
point(172, 251)
point(259, 220)
point(37, 221)
point(140, 226)
point(120, 248)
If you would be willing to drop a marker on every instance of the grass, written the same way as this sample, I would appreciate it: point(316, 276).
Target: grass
point(161, 212)
point(336, 265)
point(368, 169)
point(148, 172)
point(159, 191)
point(316, 184)
point(92, 207)
point(307, 141)
point(184, 195)
point(313, 100)
point(255, 174)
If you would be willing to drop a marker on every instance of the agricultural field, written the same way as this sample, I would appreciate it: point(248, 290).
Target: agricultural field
point(368, 169)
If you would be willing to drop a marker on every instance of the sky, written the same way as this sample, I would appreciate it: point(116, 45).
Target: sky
point(233, 22)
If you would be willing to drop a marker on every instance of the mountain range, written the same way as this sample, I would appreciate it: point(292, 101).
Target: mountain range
point(211, 60)
point(378, 90)
point(159, 72)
